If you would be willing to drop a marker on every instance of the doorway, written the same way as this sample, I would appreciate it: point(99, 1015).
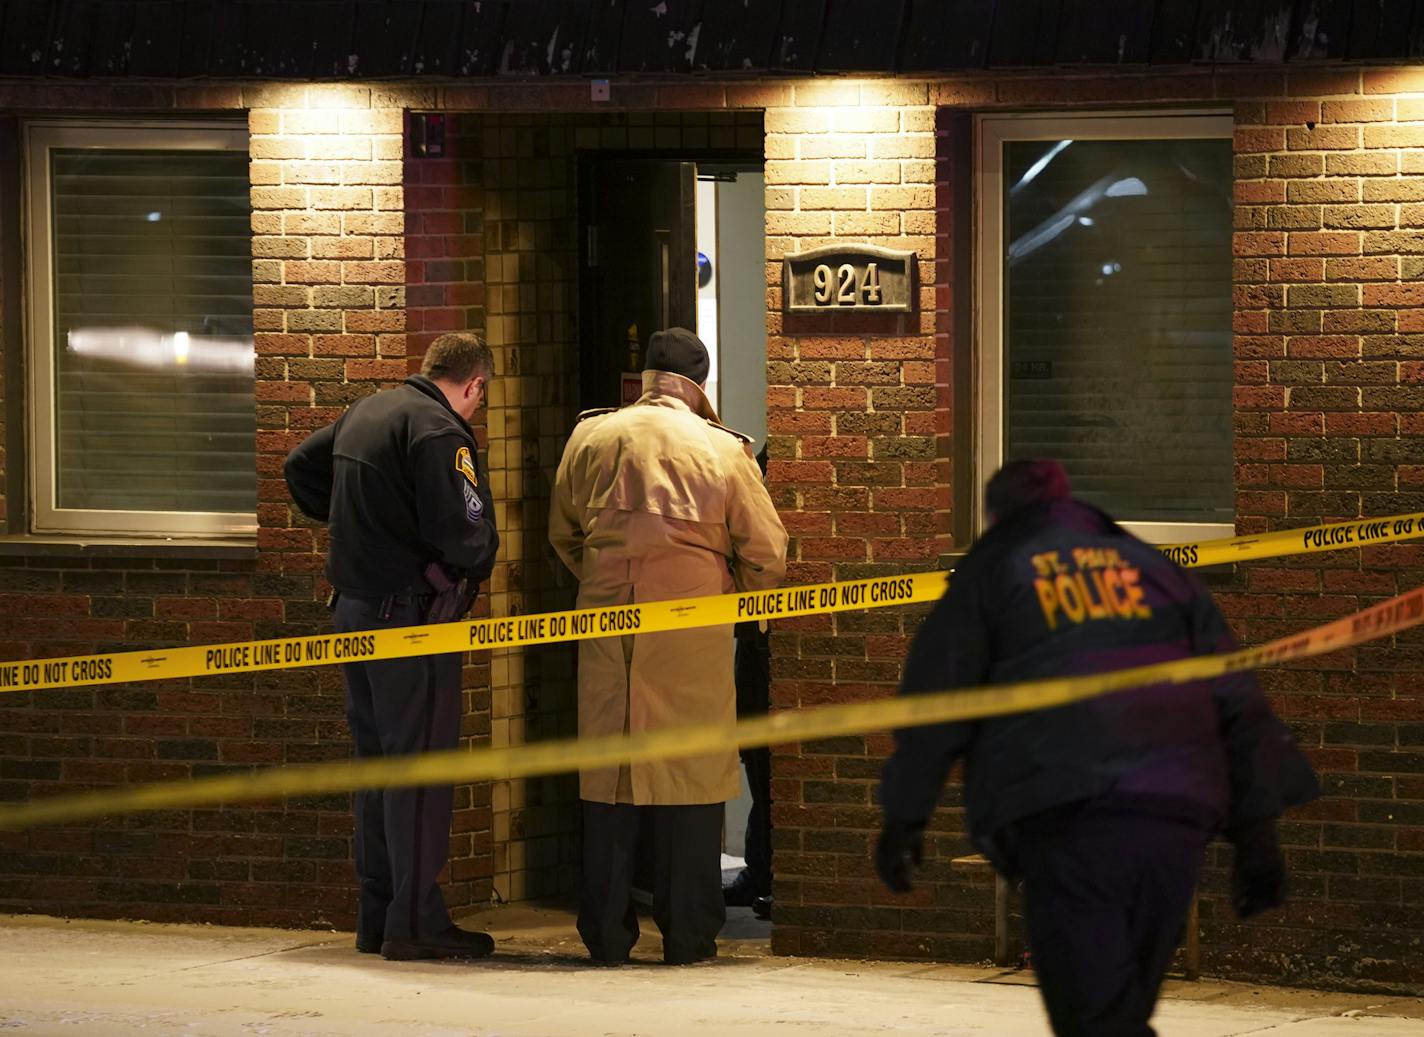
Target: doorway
point(676, 242)
point(671, 242)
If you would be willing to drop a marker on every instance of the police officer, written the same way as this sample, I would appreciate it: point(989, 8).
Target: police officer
point(398, 479)
point(651, 502)
point(752, 668)
point(1102, 808)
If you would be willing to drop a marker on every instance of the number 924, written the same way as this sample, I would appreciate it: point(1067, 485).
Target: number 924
point(844, 287)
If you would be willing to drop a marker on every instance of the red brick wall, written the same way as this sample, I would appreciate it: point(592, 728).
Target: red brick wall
point(283, 864)
point(444, 291)
point(859, 468)
point(444, 226)
point(341, 280)
point(330, 284)
point(869, 427)
point(1326, 428)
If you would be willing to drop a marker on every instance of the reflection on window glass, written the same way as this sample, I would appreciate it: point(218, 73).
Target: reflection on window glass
point(153, 331)
point(1117, 321)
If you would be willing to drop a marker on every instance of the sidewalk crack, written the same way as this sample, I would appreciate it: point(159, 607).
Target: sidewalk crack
point(250, 957)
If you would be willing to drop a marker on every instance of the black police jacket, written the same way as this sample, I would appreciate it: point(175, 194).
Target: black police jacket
point(1060, 589)
point(399, 480)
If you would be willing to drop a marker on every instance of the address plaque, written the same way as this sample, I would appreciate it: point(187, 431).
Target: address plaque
point(841, 277)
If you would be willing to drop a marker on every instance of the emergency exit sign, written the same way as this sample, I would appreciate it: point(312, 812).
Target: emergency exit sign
point(842, 277)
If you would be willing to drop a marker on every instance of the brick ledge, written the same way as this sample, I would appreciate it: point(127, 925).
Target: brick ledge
point(29, 545)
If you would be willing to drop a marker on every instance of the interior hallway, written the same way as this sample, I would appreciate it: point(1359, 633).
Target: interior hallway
point(117, 979)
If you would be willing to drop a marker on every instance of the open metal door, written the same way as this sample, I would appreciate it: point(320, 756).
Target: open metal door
point(638, 267)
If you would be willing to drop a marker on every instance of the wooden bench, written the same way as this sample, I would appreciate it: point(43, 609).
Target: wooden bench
point(978, 863)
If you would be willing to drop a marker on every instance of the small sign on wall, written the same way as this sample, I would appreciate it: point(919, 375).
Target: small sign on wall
point(1031, 370)
point(845, 277)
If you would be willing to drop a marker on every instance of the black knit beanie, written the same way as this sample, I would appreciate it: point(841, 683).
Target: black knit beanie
point(679, 351)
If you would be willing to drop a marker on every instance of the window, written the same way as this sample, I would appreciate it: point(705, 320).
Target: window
point(140, 329)
point(1105, 311)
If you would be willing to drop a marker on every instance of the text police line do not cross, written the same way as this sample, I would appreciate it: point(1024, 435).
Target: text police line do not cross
point(543, 628)
point(636, 618)
point(780, 727)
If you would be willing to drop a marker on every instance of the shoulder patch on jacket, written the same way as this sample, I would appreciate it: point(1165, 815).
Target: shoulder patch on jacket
point(595, 412)
point(474, 506)
point(730, 431)
point(465, 465)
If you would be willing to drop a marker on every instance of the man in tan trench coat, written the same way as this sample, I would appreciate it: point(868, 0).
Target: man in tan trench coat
point(657, 501)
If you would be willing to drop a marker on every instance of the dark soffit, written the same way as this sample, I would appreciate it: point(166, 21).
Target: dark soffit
point(384, 39)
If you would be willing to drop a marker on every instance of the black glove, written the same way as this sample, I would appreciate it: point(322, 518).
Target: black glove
point(454, 593)
point(898, 852)
point(1258, 875)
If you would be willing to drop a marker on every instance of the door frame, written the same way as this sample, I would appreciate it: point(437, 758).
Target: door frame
point(586, 162)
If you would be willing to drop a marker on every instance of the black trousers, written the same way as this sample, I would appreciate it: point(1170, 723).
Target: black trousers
point(1106, 895)
point(687, 884)
point(758, 837)
point(397, 707)
point(752, 669)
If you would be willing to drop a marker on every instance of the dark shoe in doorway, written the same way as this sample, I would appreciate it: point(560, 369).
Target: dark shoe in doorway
point(452, 943)
point(370, 943)
point(741, 892)
point(761, 907)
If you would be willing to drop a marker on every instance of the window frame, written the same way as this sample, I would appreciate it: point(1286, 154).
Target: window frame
point(991, 133)
point(41, 137)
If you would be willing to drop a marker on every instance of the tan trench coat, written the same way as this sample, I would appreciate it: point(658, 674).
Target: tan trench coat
point(651, 502)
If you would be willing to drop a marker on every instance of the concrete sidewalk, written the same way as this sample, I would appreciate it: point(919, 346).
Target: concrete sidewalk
point(117, 979)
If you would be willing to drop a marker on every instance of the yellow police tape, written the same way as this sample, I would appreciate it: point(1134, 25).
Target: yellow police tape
point(398, 642)
point(639, 618)
point(556, 757)
point(1307, 540)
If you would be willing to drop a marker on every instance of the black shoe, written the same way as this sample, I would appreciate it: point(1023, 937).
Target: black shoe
point(761, 907)
point(685, 958)
point(452, 943)
point(370, 943)
point(741, 892)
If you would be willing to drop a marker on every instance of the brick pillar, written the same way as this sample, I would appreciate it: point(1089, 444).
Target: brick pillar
point(857, 470)
point(330, 293)
point(531, 260)
point(445, 289)
point(1329, 206)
